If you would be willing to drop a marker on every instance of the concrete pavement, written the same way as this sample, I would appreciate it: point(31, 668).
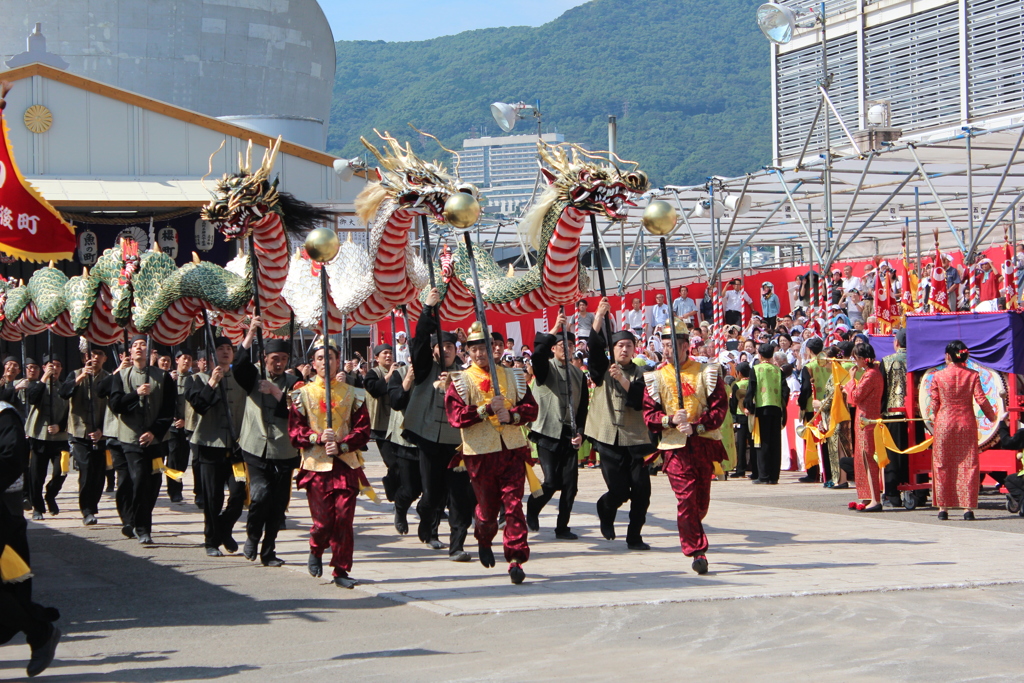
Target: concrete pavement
point(797, 587)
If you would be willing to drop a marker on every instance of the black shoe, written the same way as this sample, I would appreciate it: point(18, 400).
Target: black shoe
point(51, 506)
point(516, 573)
point(89, 520)
point(565, 535)
point(808, 480)
point(969, 516)
point(214, 552)
point(700, 564)
point(272, 561)
point(284, 524)
point(637, 545)
point(532, 519)
point(230, 544)
point(757, 481)
point(144, 538)
point(199, 502)
point(943, 515)
point(128, 531)
point(36, 515)
point(42, 656)
point(844, 485)
point(401, 523)
point(423, 531)
point(460, 556)
point(877, 507)
point(486, 557)
point(345, 581)
point(177, 499)
point(607, 522)
point(315, 566)
point(249, 550)
point(737, 475)
point(437, 544)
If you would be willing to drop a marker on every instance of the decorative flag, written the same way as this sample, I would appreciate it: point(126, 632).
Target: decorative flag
point(883, 307)
point(30, 228)
point(939, 297)
point(1009, 277)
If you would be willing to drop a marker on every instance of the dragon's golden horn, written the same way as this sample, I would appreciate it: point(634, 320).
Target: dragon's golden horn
point(458, 159)
point(248, 158)
point(270, 157)
point(51, 265)
point(85, 271)
point(157, 249)
point(209, 170)
point(195, 258)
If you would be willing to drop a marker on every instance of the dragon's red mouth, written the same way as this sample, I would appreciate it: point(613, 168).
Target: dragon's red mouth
point(241, 222)
point(606, 198)
point(430, 204)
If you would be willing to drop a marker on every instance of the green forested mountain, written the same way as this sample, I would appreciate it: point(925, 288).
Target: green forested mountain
point(689, 81)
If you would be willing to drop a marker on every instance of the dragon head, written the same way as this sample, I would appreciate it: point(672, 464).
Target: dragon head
point(422, 186)
point(244, 198)
point(587, 182)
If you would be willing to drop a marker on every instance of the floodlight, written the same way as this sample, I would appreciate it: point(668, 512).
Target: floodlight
point(346, 168)
point(733, 203)
point(506, 115)
point(703, 208)
point(776, 22)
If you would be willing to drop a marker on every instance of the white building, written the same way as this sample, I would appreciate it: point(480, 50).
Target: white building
point(938, 65)
point(504, 168)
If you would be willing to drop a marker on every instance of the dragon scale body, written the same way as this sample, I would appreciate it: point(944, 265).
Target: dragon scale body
point(271, 247)
point(555, 280)
point(394, 267)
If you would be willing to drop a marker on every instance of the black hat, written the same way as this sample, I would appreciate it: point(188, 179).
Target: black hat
point(497, 336)
point(137, 337)
point(222, 341)
point(183, 351)
point(11, 358)
point(276, 346)
point(381, 348)
point(47, 358)
point(623, 335)
point(30, 361)
point(446, 338)
point(93, 348)
point(162, 350)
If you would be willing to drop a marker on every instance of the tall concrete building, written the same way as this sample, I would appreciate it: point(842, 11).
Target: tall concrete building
point(923, 67)
point(261, 64)
point(504, 168)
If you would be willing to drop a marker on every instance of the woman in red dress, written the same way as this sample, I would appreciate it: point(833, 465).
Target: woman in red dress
point(955, 470)
point(866, 395)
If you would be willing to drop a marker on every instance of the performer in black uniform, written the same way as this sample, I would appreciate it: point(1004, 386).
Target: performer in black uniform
point(616, 427)
point(46, 426)
point(426, 425)
point(375, 381)
point(143, 398)
point(270, 457)
point(87, 412)
point(220, 402)
point(557, 445)
point(178, 442)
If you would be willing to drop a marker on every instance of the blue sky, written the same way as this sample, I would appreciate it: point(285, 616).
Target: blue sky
point(403, 20)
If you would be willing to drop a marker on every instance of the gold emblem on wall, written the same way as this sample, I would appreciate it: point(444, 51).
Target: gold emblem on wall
point(38, 119)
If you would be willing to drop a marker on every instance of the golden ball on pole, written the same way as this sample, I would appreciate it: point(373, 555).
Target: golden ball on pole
point(660, 217)
point(322, 244)
point(462, 210)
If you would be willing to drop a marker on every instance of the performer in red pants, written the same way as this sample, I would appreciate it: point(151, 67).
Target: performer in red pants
point(690, 438)
point(494, 448)
point(331, 467)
